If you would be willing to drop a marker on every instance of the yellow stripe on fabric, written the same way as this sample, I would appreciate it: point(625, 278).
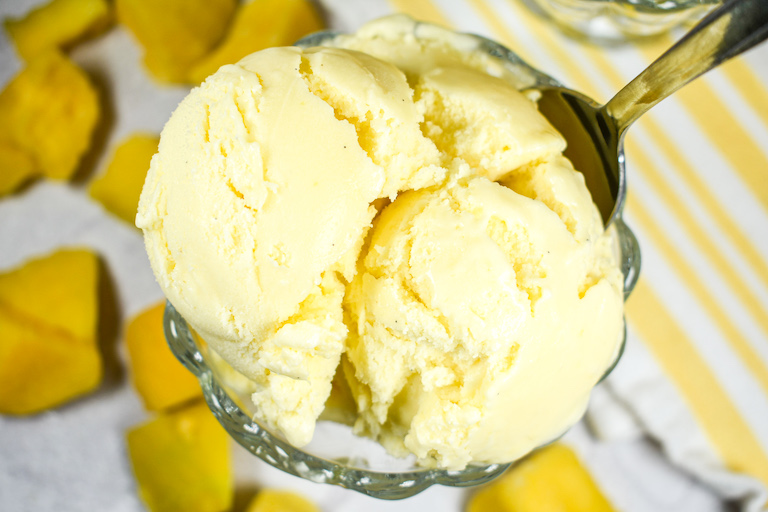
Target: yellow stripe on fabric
point(694, 284)
point(696, 185)
point(422, 10)
point(731, 138)
point(731, 436)
point(749, 86)
point(655, 177)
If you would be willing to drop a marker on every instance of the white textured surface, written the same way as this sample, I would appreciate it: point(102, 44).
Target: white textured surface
point(73, 459)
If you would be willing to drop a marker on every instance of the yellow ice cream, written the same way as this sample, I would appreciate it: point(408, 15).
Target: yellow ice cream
point(257, 203)
point(399, 216)
point(483, 319)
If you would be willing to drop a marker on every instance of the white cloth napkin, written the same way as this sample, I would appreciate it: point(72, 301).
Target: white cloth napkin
point(638, 399)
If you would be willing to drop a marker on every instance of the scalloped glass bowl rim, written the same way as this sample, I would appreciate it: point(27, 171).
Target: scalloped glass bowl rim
point(277, 452)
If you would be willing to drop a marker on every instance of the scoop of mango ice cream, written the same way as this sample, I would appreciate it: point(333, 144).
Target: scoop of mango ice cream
point(416, 231)
point(483, 318)
point(257, 203)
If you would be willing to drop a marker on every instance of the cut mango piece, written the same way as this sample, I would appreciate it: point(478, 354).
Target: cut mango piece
point(181, 462)
point(59, 290)
point(57, 25)
point(119, 188)
point(161, 380)
point(270, 500)
point(48, 322)
point(48, 112)
point(175, 33)
point(260, 24)
point(40, 368)
point(550, 480)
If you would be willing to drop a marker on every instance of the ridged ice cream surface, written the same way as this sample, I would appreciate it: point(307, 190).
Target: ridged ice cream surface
point(392, 213)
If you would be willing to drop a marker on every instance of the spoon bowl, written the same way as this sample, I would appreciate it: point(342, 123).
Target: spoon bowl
point(594, 145)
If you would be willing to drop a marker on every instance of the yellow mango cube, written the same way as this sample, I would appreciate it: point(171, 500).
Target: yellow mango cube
point(48, 323)
point(550, 480)
point(161, 380)
point(260, 24)
point(119, 188)
point(270, 500)
point(40, 369)
point(175, 33)
point(181, 462)
point(57, 25)
point(48, 112)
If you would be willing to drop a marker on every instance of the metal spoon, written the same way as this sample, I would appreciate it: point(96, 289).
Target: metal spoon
point(595, 133)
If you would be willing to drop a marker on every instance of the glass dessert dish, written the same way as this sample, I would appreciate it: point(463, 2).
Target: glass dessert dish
point(335, 455)
point(614, 20)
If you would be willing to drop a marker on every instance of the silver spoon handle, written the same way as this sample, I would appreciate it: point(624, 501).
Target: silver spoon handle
point(729, 30)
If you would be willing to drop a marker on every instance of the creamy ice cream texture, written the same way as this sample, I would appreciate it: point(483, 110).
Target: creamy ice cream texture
point(399, 219)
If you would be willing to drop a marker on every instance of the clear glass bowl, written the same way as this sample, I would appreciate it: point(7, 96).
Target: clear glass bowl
point(613, 20)
point(335, 455)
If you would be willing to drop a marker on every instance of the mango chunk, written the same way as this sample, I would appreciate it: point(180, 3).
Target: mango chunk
point(56, 25)
point(48, 323)
point(270, 500)
point(550, 480)
point(119, 188)
point(181, 462)
point(260, 24)
point(175, 33)
point(48, 112)
point(59, 290)
point(161, 380)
